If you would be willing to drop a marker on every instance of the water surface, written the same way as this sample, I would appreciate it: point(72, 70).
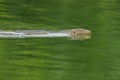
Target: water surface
point(61, 58)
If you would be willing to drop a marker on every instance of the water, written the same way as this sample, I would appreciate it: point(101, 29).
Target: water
point(61, 58)
point(9, 34)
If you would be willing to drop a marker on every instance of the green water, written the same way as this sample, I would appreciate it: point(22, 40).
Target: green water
point(61, 58)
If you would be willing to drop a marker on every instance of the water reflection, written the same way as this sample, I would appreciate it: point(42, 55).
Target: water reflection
point(59, 15)
point(80, 37)
point(60, 58)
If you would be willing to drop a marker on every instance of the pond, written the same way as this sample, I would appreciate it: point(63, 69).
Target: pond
point(61, 58)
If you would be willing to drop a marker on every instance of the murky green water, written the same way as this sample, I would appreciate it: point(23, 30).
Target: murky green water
point(61, 58)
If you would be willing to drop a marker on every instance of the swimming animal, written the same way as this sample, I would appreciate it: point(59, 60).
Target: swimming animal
point(74, 34)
